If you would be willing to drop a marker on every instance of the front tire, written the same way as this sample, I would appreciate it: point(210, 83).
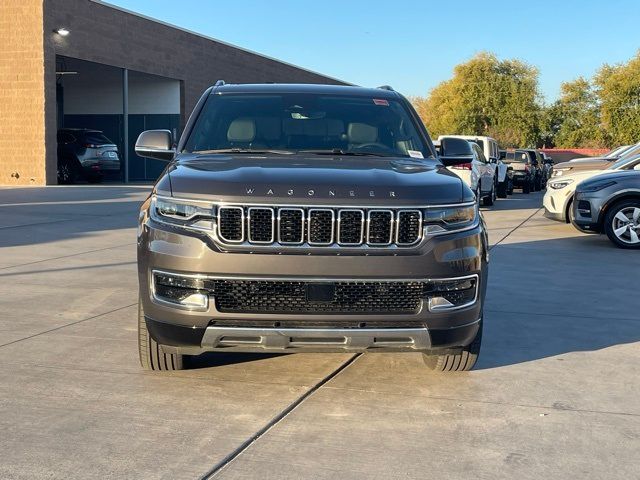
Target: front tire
point(622, 224)
point(456, 362)
point(151, 355)
point(503, 189)
point(490, 199)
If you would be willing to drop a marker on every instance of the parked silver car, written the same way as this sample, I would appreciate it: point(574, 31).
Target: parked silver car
point(610, 203)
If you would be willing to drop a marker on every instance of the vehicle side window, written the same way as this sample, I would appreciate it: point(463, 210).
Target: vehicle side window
point(479, 153)
point(523, 156)
point(65, 138)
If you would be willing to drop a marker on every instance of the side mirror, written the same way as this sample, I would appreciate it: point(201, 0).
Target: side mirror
point(454, 151)
point(503, 155)
point(637, 167)
point(493, 160)
point(155, 144)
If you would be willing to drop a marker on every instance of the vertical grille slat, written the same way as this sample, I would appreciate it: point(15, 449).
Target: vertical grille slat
point(350, 227)
point(231, 224)
point(321, 226)
point(409, 227)
point(261, 225)
point(380, 227)
point(291, 225)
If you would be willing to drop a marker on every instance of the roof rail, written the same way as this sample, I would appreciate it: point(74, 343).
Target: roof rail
point(387, 87)
point(219, 83)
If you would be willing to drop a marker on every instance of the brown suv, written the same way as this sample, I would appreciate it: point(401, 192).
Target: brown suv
point(309, 218)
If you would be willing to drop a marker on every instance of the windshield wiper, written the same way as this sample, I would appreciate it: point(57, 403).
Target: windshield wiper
point(245, 151)
point(339, 151)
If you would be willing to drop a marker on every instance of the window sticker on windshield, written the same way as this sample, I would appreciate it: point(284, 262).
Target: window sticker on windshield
point(415, 154)
point(381, 102)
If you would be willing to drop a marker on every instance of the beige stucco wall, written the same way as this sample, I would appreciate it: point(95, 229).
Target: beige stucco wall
point(22, 113)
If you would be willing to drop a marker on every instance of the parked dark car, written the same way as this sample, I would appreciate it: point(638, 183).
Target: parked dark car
point(85, 154)
point(523, 168)
point(610, 203)
point(537, 161)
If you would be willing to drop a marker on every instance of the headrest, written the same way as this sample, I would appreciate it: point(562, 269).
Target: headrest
point(242, 130)
point(362, 133)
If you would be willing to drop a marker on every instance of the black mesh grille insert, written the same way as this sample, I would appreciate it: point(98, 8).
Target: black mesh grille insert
point(380, 227)
point(350, 226)
point(409, 226)
point(321, 226)
point(261, 225)
point(271, 296)
point(230, 224)
point(291, 225)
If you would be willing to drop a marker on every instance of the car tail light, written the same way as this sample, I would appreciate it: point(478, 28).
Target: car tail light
point(91, 145)
point(463, 166)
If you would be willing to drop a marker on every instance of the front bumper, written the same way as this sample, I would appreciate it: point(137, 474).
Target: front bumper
point(555, 205)
point(194, 331)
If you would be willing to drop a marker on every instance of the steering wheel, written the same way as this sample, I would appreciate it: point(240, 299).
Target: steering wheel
point(372, 145)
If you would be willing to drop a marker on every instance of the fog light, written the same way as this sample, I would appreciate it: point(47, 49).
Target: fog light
point(180, 291)
point(451, 294)
point(197, 300)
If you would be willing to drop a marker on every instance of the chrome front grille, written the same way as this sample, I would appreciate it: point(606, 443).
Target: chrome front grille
point(319, 226)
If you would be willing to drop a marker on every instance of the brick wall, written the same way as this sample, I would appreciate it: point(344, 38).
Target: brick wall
point(22, 117)
point(103, 34)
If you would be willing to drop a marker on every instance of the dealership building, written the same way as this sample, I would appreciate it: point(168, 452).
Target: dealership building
point(88, 64)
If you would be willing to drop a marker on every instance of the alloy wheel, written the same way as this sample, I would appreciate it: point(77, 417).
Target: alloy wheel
point(626, 225)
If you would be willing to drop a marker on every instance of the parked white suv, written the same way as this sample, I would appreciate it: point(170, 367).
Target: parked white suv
point(478, 174)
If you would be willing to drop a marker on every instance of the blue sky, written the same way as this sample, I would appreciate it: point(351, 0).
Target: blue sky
point(413, 45)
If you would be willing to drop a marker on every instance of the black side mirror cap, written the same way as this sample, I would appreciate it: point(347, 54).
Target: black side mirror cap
point(156, 144)
point(454, 151)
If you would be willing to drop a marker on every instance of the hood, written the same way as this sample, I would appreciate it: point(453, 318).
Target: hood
point(630, 175)
point(576, 177)
point(591, 159)
point(313, 179)
point(591, 164)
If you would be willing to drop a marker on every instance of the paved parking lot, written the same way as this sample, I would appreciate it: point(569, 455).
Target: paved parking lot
point(555, 394)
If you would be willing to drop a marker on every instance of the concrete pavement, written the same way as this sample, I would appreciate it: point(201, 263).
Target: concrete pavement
point(555, 393)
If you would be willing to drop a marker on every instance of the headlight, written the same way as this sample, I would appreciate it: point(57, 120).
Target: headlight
point(450, 219)
point(595, 186)
point(562, 171)
point(559, 185)
point(183, 213)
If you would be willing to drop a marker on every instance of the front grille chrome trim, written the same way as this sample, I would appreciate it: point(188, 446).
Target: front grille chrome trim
point(420, 229)
point(302, 220)
point(333, 226)
point(273, 225)
point(362, 222)
point(392, 227)
point(242, 222)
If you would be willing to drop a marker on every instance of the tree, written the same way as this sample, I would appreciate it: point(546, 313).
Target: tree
point(486, 96)
point(618, 90)
point(574, 119)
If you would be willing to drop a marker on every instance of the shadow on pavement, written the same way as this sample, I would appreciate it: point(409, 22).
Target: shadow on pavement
point(572, 296)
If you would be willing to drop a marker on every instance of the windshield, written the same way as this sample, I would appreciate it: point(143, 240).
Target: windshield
point(322, 124)
point(616, 151)
point(97, 138)
point(480, 143)
point(518, 157)
point(624, 163)
point(630, 152)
